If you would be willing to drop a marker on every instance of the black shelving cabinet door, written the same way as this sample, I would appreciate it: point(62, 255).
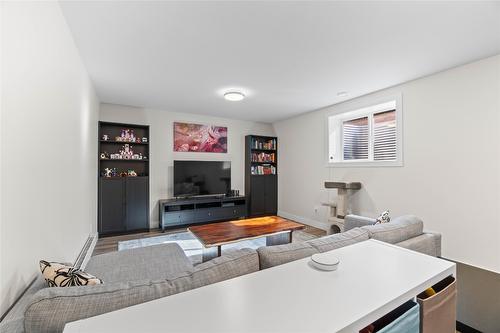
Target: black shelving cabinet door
point(112, 205)
point(258, 195)
point(271, 194)
point(137, 203)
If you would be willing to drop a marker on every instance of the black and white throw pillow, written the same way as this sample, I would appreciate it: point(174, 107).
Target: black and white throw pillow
point(383, 218)
point(60, 275)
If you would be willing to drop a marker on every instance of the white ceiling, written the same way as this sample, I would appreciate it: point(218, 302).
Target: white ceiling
point(288, 57)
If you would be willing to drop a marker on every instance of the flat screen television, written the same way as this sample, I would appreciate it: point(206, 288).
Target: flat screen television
point(201, 178)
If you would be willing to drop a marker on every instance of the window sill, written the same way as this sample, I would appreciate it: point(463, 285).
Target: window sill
point(364, 164)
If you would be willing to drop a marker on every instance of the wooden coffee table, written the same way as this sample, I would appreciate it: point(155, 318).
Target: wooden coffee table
point(277, 231)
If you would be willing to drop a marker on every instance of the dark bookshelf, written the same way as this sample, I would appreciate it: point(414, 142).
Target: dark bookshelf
point(261, 175)
point(123, 196)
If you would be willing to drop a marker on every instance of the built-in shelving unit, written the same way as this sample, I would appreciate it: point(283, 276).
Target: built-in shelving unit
point(123, 178)
point(261, 175)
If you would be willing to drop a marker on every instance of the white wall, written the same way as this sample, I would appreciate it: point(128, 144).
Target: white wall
point(451, 172)
point(161, 145)
point(49, 115)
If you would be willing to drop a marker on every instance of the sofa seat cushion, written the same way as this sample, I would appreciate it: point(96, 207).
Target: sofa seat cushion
point(336, 241)
point(145, 263)
point(270, 256)
point(399, 230)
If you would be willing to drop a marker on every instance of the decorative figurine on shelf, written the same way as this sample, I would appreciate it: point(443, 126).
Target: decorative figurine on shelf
point(144, 140)
point(126, 153)
point(123, 174)
point(135, 156)
point(138, 140)
point(104, 156)
point(108, 173)
point(105, 137)
point(132, 173)
point(127, 135)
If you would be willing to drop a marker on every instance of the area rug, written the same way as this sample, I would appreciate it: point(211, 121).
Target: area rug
point(193, 248)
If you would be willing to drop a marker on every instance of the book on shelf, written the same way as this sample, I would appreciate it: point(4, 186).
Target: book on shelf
point(263, 157)
point(264, 144)
point(263, 170)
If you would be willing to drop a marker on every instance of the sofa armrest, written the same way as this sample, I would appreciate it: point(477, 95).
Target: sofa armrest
point(357, 221)
point(427, 243)
point(51, 308)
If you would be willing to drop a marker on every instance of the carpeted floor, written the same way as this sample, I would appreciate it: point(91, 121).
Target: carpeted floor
point(193, 248)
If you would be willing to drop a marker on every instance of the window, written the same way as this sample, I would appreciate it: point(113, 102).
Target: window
point(370, 135)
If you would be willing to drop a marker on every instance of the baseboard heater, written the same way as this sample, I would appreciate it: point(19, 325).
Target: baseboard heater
point(86, 252)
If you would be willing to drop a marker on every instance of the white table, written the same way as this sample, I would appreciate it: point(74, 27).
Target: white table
point(373, 278)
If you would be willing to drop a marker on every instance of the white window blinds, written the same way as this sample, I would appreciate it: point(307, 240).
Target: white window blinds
point(355, 136)
point(384, 136)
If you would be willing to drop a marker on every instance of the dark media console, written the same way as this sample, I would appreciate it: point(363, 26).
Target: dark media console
point(178, 212)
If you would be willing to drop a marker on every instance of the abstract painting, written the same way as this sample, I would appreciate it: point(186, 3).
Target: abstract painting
point(200, 138)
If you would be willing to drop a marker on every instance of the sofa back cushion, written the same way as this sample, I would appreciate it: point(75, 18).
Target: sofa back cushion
point(231, 264)
point(400, 229)
point(336, 241)
point(270, 256)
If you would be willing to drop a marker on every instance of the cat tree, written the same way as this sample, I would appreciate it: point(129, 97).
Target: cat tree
point(339, 208)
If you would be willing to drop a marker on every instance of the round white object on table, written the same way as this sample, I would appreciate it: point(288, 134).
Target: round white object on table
point(325, 261)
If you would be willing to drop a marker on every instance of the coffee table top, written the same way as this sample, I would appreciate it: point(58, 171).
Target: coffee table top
point(220, 233)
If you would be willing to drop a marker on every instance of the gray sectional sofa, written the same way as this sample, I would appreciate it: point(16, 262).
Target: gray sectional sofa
point(144, 274)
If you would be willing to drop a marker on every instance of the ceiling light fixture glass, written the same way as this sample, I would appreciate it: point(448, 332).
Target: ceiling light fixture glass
point(234, 96)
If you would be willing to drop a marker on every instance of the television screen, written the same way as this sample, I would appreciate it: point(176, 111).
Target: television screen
point(192, 178)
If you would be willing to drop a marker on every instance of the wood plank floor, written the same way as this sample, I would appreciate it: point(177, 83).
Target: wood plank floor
point(110, 244)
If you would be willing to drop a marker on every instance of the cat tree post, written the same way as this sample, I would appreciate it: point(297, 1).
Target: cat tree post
point(339, 209)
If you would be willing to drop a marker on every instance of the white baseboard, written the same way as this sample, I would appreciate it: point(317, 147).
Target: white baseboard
point(305, 220)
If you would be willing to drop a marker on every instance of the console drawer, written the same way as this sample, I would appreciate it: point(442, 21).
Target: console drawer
point(172, 218)
point(209, 214)
point(182, 217)
point(234, 212)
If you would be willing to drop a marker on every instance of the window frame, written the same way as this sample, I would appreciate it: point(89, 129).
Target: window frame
point(351, 107)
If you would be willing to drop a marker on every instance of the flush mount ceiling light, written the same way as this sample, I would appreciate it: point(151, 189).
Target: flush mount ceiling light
point(342, 94)
point(234, 96)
